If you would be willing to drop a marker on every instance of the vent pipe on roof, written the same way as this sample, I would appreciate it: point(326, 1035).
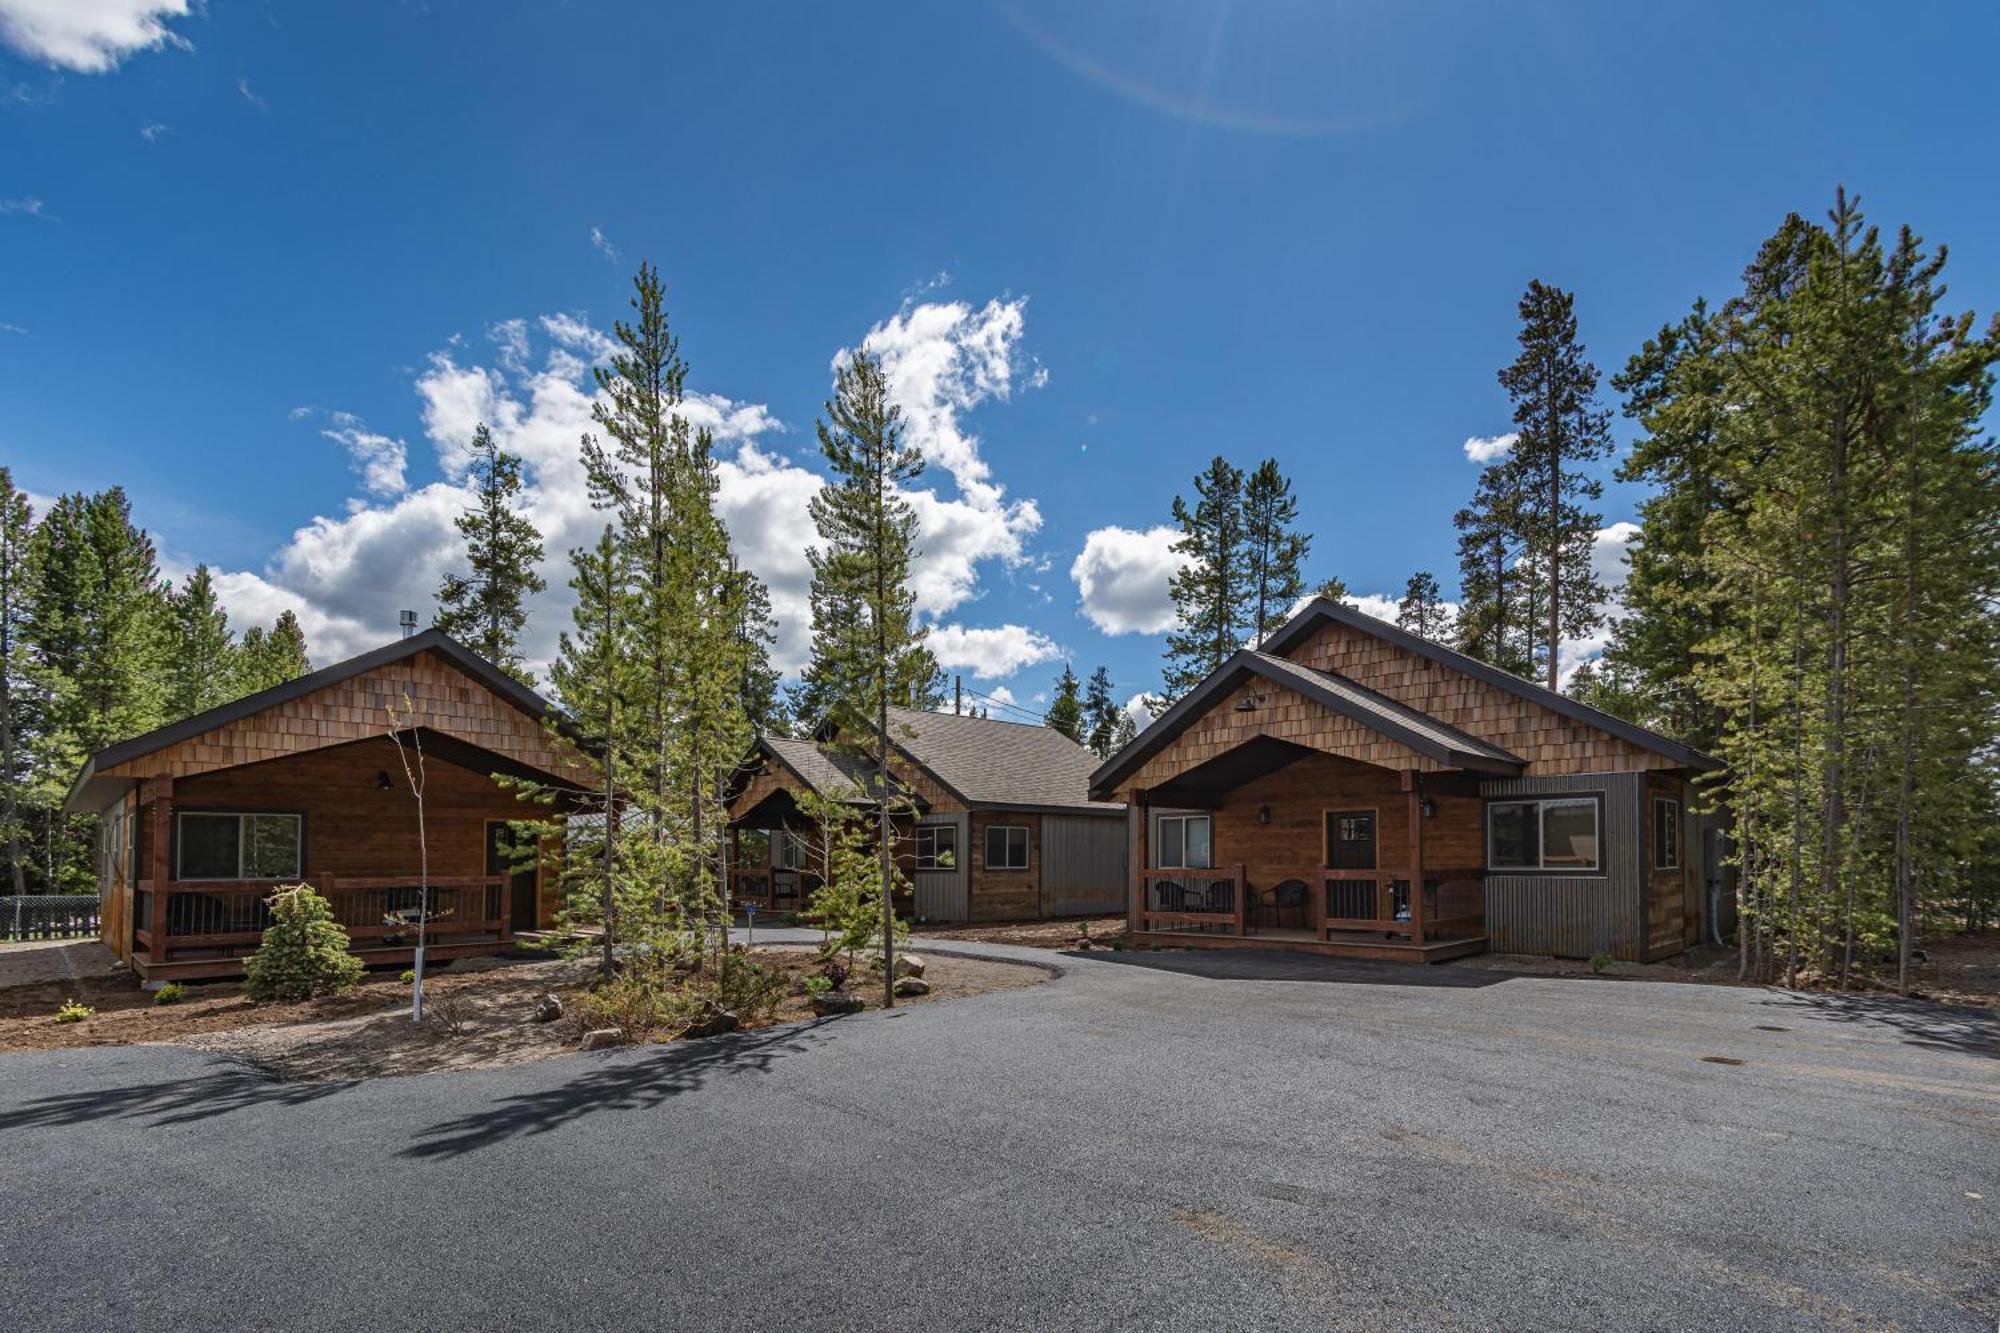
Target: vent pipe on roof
point(409, 623)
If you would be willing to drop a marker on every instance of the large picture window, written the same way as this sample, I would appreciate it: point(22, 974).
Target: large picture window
point(936, 847)
point(790, 850)
point(1006, 847)
point(238, 846)
point(1186, 843)
point(1559, 833)
point(1666, 833)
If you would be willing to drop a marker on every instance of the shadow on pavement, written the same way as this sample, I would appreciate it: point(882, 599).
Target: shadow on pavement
point(623, 1084)
point(1925, 1023)
point(175, 1101)
point(1270, 965)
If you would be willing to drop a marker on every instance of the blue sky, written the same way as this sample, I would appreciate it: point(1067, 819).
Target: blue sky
point(265, 264)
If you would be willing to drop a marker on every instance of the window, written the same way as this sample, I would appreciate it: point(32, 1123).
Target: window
point(1666, 834)
point(1186, 843)
point(1555, 834)
point(791, 850)
point(937, 847)
point(239, 847)
point(1006, 847)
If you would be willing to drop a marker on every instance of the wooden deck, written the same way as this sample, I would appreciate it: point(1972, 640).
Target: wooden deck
point(1336, 945)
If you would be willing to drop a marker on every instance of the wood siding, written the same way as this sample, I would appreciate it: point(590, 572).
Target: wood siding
point(1547, 741)
point(1004, 895)
point(356, 709)
point(355, 827)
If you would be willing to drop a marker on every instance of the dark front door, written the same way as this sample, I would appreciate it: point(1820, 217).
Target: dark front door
point(1350, 839)
point(500, 861)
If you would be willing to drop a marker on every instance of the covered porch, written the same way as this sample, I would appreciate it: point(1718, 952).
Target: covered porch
point(1273, 843)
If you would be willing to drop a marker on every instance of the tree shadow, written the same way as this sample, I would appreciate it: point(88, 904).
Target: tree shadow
point(1275, 965)
point(1925, 1023)
point(176, 1101)
point(622, 1083)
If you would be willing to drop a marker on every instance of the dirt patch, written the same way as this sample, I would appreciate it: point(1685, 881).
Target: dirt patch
point(477, 1015)
point(1102, 932)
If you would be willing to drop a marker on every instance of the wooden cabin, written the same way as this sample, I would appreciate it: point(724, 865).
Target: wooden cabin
point(1355, 789)
point(303, 783)
point(993, 820)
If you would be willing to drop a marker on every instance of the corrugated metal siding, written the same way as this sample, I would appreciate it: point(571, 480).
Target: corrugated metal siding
point(941, 894)
point(1575, 916)
point(1083, 865)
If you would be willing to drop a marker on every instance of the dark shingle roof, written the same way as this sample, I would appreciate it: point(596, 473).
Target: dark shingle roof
point(826, 770)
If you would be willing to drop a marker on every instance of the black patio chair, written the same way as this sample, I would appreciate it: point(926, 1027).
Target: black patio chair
point(1290, 896)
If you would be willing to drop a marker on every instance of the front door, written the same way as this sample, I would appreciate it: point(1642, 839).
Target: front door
point(1350, 839)
point(500, 861)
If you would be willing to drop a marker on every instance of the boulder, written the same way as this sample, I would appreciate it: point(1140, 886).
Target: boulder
point(831, 1002)
point(912, 986)
point(713, 1021)
point(550, 1008)
point(909, 965)
point(598, 1038)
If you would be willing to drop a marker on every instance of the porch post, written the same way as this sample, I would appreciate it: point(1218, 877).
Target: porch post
point(1136, 818)
point(161, 867)
point(1413, 782)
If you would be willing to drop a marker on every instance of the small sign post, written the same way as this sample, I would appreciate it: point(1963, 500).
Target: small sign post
point(750, 920)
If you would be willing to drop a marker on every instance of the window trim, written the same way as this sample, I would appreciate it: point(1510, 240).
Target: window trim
point(296, 816)
point(1027, 847)
point(917, 851)
point(1543, 871)
point(1182, 817)
point(1673, 825)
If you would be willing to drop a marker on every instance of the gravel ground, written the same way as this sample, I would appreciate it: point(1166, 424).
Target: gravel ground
point(1150, 1141)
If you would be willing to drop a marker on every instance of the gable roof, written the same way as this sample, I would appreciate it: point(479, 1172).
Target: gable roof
point(824, 769)
point(1378, 712)
point(431, 640)
point(985, 761)
point(1321, 609)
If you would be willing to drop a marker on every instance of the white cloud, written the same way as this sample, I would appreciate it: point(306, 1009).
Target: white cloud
point(13, 328)
point(379, 459)
point(89, 36)
point(1486, 448)
point(991, 653)
point(249, 95)
point(348, 575)
point(152, 133)
point(602, 244)
point(1140, 709)
point(28, 206)
point(1608, 560)
point(1122, 577)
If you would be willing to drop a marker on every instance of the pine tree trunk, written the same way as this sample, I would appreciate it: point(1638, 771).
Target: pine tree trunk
point(1555, 539)
point(885, 828)
point(14, 867)
point(1835, 770)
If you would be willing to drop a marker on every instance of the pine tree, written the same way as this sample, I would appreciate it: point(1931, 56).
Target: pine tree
point(1274, 550)
point(486, 607)
point(874, 654)
point(16, 522)
point(1210, 591)
point(1493, 624)
point(1127, 732)
point(265, 658)
point(1561, 431)
point(1334, 589)
point(1422, 611)
point(200, 660)
point(1066, 712)
point(1100, 714)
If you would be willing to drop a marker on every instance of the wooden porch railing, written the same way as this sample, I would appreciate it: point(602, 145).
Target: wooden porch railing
point(771, 890)
point(1454, 902)
point(376, 911)
point(1201, 900)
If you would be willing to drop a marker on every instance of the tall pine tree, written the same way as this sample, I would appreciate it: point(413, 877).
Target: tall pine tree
point(1100, 714)
point(485, 608)
point(1210, 590)
point(1066, 710)
point(1274, 550)
point(200, 663)
point(16, 522)
point(1422, 611)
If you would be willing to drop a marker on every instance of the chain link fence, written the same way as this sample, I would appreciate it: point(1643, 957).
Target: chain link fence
point(48, 916)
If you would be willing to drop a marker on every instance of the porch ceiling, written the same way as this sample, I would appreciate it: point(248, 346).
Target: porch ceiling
point(1207, 783)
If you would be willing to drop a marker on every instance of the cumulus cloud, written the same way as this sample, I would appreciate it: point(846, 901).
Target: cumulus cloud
point(1140, 709)
point(1486, 448)
point(1122, 578)
point(89, 36)
point(378, 459)
point(348, 575)
point(991, 653)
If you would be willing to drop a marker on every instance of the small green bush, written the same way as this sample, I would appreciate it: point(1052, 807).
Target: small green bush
point(73, 1011)
point(409, 977)
point(644, 996)
point(171, 993)
point(748, 989)
point(1600, 963)
point(304, 952)
point(818, 985)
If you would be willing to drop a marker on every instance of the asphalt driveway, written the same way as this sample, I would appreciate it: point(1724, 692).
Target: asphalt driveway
point(1200, 1141)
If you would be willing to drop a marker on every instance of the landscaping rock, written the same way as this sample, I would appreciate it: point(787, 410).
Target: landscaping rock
point(909, 965)
point(714, 1021)
point(550, 1008)
point(831, 1002)
point(912, 986)
point(598, 1038)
